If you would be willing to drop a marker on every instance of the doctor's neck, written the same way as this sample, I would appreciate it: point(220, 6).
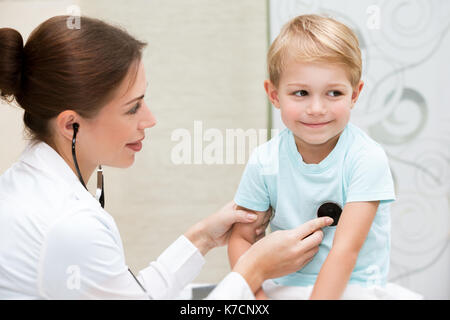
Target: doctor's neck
point(64, 149)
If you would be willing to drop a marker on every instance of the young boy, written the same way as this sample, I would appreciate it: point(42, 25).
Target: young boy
point(315, 80)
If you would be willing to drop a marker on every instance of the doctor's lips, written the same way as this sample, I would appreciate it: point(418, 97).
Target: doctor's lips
point(315, 124)
point(135, 146)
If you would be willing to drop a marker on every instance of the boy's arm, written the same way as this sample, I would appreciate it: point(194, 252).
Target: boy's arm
point(243, 236)
point(351, 232)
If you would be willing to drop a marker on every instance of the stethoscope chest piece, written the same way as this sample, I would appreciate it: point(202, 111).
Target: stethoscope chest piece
point(330, 209)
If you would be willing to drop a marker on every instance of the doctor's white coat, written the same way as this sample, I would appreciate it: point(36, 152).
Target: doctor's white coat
point(57, 242)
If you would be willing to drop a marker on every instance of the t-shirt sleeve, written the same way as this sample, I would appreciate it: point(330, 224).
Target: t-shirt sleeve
point(370, 177)
point(252, 192)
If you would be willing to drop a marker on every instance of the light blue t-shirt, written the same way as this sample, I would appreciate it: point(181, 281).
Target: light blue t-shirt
point(357, 169)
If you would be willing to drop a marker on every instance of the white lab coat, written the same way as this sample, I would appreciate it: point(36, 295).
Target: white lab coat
point(57, 242)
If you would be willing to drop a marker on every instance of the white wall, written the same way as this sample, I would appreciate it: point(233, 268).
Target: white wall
point(404, 106)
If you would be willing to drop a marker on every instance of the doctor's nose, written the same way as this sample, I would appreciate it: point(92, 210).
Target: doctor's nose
point(148, 120)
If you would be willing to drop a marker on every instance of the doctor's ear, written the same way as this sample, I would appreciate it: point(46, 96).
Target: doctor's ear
point(66, 122)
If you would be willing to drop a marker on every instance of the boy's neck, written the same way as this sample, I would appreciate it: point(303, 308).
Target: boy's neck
point(315, 153)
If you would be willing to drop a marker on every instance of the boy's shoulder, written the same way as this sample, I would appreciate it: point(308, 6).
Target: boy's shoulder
point(266, 155)
point(360, 140)
point(281, 137)
point(362, 147)
point(271, 147)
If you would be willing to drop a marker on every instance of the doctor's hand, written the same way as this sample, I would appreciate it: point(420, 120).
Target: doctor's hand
point(214, 230)
point(281, 252)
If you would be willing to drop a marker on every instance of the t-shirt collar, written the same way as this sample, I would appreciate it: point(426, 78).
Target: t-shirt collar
point(297, 159)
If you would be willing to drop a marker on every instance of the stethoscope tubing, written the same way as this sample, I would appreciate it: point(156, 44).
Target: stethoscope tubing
point(100, 184)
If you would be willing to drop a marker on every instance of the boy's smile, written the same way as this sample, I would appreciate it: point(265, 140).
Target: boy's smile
point(315, 100)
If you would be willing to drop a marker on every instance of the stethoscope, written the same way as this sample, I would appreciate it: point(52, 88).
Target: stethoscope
point(100, 192)
point(330, 209)
point(326, 209)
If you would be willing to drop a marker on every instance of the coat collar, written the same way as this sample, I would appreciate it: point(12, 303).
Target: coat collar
point(44, 158)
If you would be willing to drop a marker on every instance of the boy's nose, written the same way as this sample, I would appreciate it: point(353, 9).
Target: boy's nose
point(316, 107)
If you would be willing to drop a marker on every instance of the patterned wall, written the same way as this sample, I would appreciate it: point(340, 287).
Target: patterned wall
point(404, 106)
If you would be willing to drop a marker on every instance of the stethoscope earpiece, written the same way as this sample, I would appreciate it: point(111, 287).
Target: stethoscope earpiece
point(330, 209)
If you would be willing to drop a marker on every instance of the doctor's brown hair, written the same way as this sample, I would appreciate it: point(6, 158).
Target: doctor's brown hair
point(62, 68)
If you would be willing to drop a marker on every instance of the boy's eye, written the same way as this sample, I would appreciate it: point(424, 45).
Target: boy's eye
point(334, 93)
point(300, 93)
point(135, 108)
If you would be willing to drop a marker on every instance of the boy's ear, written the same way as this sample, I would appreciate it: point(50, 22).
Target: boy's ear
point(356, 92)
point(272, 93)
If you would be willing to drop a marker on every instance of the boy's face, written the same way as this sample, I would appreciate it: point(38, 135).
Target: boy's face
point(314, 99)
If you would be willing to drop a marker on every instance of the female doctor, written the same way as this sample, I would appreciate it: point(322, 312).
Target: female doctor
point(82, 91)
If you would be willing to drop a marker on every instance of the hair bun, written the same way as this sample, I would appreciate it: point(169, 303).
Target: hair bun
point(11, 60)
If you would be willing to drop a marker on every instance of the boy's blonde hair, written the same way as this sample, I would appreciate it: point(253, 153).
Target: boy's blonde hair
point(314, 38)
